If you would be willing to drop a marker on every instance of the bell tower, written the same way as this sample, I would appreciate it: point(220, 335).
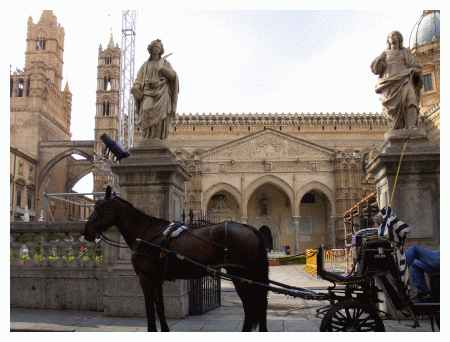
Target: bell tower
point(45, 44)
point(107, 105)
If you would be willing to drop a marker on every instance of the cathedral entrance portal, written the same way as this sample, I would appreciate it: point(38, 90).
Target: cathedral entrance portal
point(315, 212)
point(269, 207)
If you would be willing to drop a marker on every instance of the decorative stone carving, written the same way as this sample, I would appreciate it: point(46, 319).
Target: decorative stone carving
point(268, 145)
point(399, 84)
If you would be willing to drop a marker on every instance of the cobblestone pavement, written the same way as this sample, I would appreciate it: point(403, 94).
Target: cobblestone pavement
point(284, 313)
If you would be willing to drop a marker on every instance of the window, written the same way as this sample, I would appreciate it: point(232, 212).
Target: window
point(30, 200)
point(11, 87)
point(107, 83)
point(106, 108)
point(28, 87)
point(40, 43)
point(427, 82)
point(20, 169)
point(108, 60)
point(30, 172)
point(20, 87)
point(19, 198)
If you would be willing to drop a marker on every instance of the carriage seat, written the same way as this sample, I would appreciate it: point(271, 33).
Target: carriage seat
point(376, 256)
point(174, 230)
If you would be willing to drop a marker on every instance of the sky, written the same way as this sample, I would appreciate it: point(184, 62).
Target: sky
point(235, 61)
point(263, 59)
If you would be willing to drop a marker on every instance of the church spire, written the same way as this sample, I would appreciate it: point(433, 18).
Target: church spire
point(111, 41)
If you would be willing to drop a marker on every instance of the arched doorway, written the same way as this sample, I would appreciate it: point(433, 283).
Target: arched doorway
point(315, 212)
point(270, 206)
point(267, 236)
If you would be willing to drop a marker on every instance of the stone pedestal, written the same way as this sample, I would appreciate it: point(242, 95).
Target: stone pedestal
point(416, 197)
point(153, 181)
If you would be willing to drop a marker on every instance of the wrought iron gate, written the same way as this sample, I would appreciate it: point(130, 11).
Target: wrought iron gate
point(204, 293)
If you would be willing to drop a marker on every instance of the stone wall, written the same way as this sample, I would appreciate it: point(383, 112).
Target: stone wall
point(59, 288)
point(47, 271)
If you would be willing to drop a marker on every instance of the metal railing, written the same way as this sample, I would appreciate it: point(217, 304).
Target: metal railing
point(359, 216)
point(69, 206)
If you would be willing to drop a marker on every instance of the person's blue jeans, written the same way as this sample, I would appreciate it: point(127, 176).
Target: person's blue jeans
point(420, 260)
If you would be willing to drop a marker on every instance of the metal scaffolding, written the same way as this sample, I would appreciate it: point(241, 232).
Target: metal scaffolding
point(126, 122)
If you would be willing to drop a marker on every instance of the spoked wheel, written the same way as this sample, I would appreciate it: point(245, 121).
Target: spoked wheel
point(352, 316)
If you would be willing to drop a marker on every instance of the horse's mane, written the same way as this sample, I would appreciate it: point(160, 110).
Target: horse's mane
point(152, 218)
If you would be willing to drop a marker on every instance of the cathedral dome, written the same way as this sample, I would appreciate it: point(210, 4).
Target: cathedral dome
point(426, 30)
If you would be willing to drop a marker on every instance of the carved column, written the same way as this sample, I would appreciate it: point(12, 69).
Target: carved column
point(244, 214)
point(296, 223)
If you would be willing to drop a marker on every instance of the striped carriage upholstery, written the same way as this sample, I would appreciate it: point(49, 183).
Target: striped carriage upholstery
point(396, 231)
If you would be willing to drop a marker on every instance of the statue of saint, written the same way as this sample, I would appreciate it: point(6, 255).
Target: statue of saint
point(155, 91)
point(399, 84)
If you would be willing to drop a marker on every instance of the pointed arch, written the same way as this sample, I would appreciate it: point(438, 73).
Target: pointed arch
point(56, 159)
point(318, 186)
point(270, 179)
point(211, 191)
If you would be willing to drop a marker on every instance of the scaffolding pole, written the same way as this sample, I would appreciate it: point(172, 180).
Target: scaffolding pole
point(126, 122)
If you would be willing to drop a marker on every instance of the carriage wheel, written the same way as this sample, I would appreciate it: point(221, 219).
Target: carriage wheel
point(352, 316)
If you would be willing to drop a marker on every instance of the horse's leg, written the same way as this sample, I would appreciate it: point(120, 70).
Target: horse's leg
point(148, 289)
point(159, 301)
point(242, 293)
point(262, 312)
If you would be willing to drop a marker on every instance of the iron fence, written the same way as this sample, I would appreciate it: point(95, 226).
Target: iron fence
point(204, 293)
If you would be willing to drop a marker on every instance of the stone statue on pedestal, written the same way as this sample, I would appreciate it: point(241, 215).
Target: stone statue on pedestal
point(155, 91)
point(399, 84)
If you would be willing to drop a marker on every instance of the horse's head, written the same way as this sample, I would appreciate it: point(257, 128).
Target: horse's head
point(103, 216)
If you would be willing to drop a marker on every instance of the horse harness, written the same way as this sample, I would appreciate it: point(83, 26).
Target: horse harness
point(170, 233)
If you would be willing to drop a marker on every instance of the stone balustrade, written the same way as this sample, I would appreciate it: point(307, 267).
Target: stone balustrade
point(52, 245)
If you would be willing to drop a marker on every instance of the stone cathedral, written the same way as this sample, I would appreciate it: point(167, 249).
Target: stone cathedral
point(294, 174)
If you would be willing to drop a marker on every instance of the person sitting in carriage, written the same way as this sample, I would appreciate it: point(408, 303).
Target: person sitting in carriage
point(421, 260)
point(418, 259)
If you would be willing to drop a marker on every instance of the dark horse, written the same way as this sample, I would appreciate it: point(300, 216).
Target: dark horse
point(236, 247)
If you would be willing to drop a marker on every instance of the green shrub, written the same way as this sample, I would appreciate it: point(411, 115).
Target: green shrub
point(294, 259)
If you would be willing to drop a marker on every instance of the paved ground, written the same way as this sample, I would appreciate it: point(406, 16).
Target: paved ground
point(284, 313)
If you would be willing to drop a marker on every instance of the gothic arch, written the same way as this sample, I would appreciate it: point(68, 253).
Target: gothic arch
point(318, 187)
point(232, 190)
point(71, 182)
point(270, 179)
point(56, 159)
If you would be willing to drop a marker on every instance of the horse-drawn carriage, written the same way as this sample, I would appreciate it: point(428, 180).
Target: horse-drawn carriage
point(239, 249)
point(375, 278)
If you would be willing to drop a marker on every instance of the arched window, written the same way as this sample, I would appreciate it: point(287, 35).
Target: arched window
point(20, 87)
point(108, 60)
point(106, 108)
point(40, 42)
point(107, 83)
